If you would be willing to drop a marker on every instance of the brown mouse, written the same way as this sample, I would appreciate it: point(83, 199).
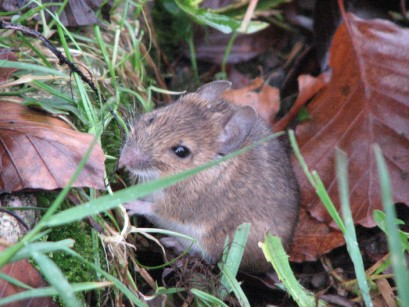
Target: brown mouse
point(258, 186)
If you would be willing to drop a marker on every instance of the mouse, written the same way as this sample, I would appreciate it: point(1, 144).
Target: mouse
point(257, 187)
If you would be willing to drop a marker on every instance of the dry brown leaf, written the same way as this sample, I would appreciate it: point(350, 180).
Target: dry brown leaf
point(23, 271)
point(6, 72)
point(366, 102)
point(312, 238)
point(259, 95)
point(42, 152)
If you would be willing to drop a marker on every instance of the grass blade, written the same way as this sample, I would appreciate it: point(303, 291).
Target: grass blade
point(14, 281)
point(51, 291)
point(213, 301)
point(380, 220)
point(118, 284)
point(236, 249)
point(235, 253)
point(43, 248)
point(52, 91)
point(274, 252)
point(31, 68)
point(350, 234)
point(234, 285)
point(163, 232)
point(56, 278)
point(316, 182)
point(399, 265)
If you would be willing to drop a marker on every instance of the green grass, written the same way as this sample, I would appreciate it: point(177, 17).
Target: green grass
point(346, 224)
point(274, 252)
point(397, 242)
point(396, 246)
point(52, 291)
point(350, 234)
point(229, 265)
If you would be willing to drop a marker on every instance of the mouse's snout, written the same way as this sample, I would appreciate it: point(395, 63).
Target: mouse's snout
point(133, 159)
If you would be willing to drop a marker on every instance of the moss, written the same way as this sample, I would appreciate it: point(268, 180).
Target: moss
point(73, 269)
point(111, 143)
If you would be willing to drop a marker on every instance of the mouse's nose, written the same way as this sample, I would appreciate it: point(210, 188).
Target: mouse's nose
point(132, 158)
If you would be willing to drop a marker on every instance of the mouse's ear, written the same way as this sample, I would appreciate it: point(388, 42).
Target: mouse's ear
point(213, 90)
point(237, 130)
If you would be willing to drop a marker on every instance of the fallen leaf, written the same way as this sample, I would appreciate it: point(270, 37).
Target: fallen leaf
point(6, 54)
point(42, 152)
point(24, 272)
point(312, 238)
point(366, 102)
point(264, 98)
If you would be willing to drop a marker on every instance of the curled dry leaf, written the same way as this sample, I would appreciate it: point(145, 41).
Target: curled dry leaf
point(263, 98)
point(42, 152)
point(366, 102)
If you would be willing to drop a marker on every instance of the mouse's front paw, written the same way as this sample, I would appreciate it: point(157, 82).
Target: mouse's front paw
point(173, 244)
point(140, 207)
point(177, 247)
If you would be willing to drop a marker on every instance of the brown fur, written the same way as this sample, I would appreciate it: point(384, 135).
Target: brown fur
point(257, 187)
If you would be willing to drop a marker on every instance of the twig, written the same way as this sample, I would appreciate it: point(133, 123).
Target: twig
point(62, 59)
point(249, 13)
point(17, 217)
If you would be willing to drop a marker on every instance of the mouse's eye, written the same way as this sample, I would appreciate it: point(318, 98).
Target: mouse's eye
point(181, 151)
point(150, 119)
